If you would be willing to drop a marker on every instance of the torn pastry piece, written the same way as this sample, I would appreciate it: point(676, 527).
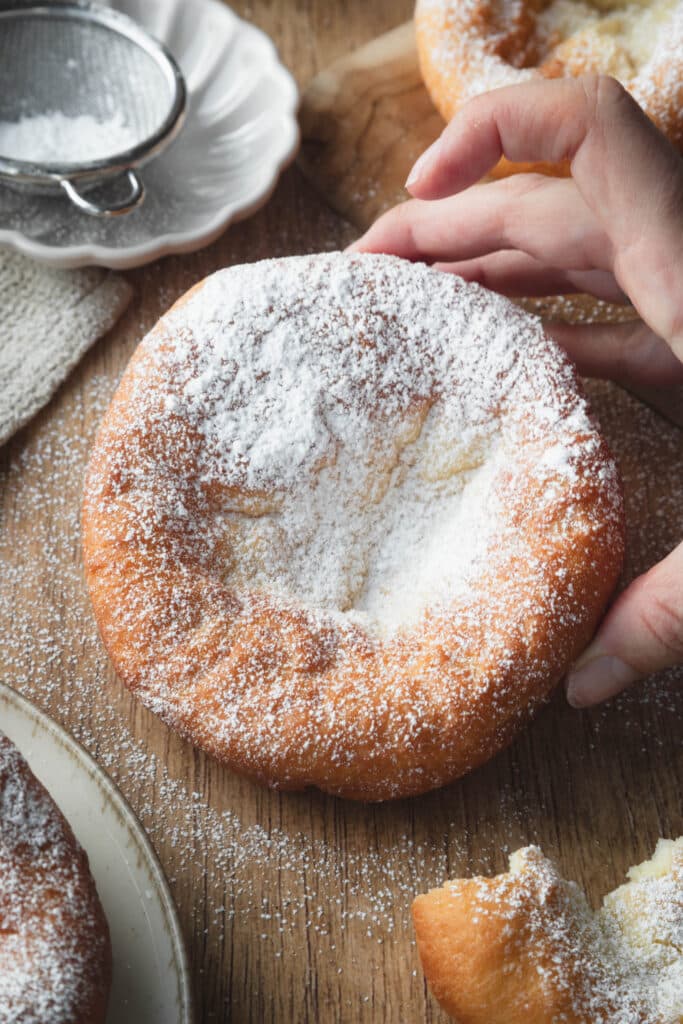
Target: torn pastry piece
point(526, 948)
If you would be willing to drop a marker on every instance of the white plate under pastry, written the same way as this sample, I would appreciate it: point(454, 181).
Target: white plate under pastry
point(151, 982)
point(240, 131)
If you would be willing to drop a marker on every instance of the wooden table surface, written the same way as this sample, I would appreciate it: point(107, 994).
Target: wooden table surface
point(295, 907)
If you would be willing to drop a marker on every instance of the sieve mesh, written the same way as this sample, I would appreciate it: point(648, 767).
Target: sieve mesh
point(58, 62)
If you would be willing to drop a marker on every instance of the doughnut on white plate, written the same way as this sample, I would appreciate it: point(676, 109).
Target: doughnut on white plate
point(151, 981)
point(240, 131)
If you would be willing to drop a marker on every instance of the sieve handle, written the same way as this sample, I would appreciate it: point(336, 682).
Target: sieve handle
point(133, 199)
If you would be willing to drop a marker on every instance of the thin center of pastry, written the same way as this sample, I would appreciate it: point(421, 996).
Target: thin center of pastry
point(378, 539)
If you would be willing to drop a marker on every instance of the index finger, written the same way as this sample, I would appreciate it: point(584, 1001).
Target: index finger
point(585, 121)
point(627, 172)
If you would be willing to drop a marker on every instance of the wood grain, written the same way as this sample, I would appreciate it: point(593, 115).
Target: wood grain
point(296, 906)
point(364, 122)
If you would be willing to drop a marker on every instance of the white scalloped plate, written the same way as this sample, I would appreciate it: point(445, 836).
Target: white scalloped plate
point(151, 981)
point(240, 131)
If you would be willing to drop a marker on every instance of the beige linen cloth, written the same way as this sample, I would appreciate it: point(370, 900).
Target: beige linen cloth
point(48, 319)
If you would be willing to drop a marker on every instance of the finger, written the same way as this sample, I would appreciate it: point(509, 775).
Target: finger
point(628, 353)
point(516, 273)
point(627, 172)
point(543, 217)
point(642, 634)
point(585, 120)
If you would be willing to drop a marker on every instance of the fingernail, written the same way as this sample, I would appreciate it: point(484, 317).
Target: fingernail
point(422, 163)
point(596, 677)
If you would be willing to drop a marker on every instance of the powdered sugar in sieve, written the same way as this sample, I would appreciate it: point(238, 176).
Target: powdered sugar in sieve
point(86, 95)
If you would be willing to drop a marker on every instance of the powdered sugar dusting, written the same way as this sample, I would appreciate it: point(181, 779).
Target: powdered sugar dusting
point(274, 407)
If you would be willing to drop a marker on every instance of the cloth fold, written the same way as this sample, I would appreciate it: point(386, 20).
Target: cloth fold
point(48, 320)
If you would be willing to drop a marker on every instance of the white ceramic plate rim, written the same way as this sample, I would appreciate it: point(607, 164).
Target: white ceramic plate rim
point(113, 796)
point(126, 257)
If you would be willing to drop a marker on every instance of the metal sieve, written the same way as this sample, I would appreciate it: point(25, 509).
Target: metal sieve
point(86, 97)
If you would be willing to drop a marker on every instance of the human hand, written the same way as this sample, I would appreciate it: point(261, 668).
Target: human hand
point(615, 229)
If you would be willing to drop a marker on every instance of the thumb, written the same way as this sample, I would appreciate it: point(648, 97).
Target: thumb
point(641, 634)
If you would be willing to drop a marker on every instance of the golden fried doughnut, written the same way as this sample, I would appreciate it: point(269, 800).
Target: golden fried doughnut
point(55, 954)
point(526, 948)
point(347, 521)
point(467, 47)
